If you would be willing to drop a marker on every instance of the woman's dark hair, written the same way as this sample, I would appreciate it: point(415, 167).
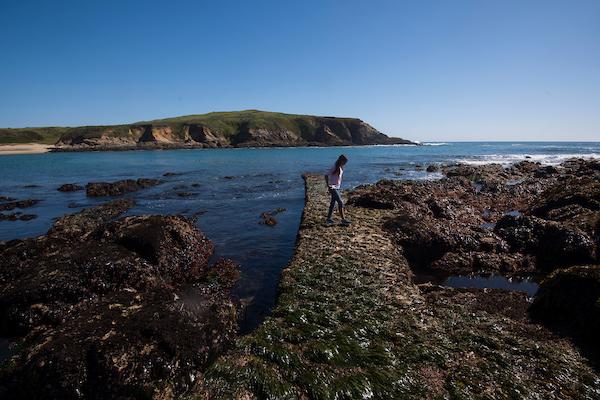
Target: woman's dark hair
point(338, 164)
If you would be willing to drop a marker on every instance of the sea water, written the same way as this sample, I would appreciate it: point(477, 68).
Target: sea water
point(230, 188)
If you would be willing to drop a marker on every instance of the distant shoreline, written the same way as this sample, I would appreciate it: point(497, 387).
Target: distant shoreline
point(24, 148)
point(36, 148)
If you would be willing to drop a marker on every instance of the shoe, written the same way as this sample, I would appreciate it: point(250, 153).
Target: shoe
point(345, 222)
point(329, 222)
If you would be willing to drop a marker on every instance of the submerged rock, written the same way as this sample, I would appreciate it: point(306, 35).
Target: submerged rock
point(101, 189)
point(267, 217)
point(11, 205)
point(70, 187)
point(17, 216)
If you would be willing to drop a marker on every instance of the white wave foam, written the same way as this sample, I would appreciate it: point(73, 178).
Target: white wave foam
point(507, 159)
point(437, 144)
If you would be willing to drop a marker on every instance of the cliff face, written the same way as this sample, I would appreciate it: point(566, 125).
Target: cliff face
point(231, 129)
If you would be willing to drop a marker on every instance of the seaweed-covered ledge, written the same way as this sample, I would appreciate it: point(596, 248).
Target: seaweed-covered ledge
point(350, 323)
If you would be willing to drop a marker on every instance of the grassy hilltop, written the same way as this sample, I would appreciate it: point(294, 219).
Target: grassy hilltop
point(228, 122)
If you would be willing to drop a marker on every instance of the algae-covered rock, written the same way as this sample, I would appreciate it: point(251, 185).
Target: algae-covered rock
point(78, 225)
point(525, 217)
point(101, 189)
point(69, 187)
point(349, 322)
point(569, 300)
point(103, 308)
point(171, 242)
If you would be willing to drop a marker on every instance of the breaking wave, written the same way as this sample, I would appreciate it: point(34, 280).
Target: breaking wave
point(507, 159)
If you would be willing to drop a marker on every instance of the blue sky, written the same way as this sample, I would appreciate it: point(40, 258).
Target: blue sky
point(424, 70)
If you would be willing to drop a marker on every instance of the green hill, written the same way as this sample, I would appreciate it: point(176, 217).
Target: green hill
point(216, 129)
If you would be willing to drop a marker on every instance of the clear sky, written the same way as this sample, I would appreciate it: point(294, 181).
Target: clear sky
point(423, 70)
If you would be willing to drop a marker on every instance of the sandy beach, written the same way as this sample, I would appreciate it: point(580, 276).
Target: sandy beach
point(24, 148)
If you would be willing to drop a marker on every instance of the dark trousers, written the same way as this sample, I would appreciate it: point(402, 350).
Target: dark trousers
point(335, 198)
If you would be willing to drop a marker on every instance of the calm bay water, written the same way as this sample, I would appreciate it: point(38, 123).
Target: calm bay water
point(233, 186)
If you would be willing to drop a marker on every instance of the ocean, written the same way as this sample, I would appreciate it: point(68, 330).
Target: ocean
point(230, 188)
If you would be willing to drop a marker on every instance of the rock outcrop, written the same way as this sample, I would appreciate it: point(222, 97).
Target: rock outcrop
point(250, 128)
point(113, 308)
point(517, 220)
point(118, 188)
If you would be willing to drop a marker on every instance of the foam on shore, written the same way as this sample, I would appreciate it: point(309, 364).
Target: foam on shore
point(507, 159)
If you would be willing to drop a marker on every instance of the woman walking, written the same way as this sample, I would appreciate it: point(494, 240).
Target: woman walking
point(333, 179)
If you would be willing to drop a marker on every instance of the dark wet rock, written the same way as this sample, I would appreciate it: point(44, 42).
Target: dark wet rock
point(527, 166)
point(171, 242)
point(185, 194)
point(441, 208)
point(270, 221)
point(523, 222)
point(139, 345)
point(545, 172)
point(433, 168)
point(474, 173)
point(70, 187)
point(85, 222)
point(100, 189)
point(573, 191)
point(32, 186)
point(171, 173)
point(581, 167)
point(384, 197)
point(8, 217)
point(11, 205)
point(98, 307)
point(553, 244)
point(228, 177)
point(17, 216)
point(74, 205)
point(195, 185)
point(6, 198)
point(462, 263)
point(503, 303)
point(267, 219)
point(568, 300)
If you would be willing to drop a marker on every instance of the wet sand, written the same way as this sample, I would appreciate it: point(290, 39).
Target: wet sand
point(24, 148)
